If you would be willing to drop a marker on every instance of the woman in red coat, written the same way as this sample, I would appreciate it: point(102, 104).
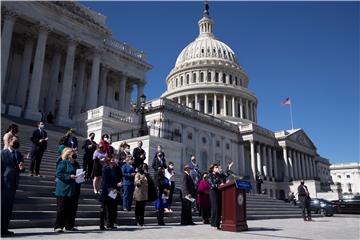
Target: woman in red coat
point(203, 198)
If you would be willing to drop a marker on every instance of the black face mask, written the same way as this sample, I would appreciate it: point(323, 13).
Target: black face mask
point(74, 156)
point(302, 183)
point(16, 145)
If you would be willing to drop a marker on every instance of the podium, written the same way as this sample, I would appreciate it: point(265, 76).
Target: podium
point(234, 206)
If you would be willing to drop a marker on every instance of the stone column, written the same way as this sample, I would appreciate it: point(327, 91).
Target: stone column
point(122, 92)
point(80, 86)
point(258, 158)
point(255, 112)
point(213, 76)
point(242, 160)
point(286, 165)
point(227, 78)
point(179, 100)
point(196, 102)
point(129, 89)
point(295, 164)
point(215, 104)
point(309, 166)
point(276, 172)
point(63, 116)
point(315, 167)
point(269, 154)
point(187, 100)
point(247, 109)
point(140, 91)
point(253, 159)
point(54, 80)
point(9, 18)
point(241, 109)
point(25, 71)
point(264, 166)
point(92, 98)
point(233, 106)
point(291, 165)
point(32, 110)
point(205, 103)
point(220, 77)
point(224, 105)
point(306, 166)
point(198, 76)
point(303, 166)
point(103, 85)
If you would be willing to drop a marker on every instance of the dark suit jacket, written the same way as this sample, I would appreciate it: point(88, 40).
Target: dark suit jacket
point(188, 186)
point(136, 154)
point(302, 193)
point(36, 138)
point(9, 169)
point(156, 163)
point(89, 151)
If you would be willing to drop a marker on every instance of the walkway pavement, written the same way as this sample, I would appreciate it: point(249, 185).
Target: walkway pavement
point(337, 227)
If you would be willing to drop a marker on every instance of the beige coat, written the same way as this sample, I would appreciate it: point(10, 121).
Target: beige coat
point(141, 187)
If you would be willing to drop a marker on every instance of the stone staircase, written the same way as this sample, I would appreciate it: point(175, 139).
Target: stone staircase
point(35, 203)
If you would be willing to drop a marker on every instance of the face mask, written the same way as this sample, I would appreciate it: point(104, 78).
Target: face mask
point(41, 126)
point(16, 145)
point(302, 183)
point(131, 162)
point(74, 156)
point(171, 166)
point(127, 149)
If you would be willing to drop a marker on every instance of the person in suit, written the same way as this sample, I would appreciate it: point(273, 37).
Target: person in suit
point(11, 132)
point(72, 141)
point(215, 195)
point(188, 192)
point(108, 209)
point(11, 165)
point(304, 198)
point(141, 193)
point(158, 163)
point(124, 151)
point(139, 155)
point(89, 147)
point(39, 139)
point(194, 173)
point(66, 191)
point(159, 150)
point(128, 172)
point(259, 181)
point(163, 186)
point(170, 174)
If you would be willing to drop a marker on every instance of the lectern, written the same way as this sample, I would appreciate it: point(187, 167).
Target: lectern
point(234, 206)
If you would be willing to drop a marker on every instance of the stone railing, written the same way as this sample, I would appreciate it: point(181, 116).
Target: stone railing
point(174, 106)
point(252, 127)
point(107, 112)
point(125, 48)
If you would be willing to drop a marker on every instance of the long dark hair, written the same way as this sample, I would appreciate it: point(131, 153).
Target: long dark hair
point(12, 127)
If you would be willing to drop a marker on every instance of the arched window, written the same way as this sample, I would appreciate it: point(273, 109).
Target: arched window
point(201, 77)
point(209, 76)
point(194, 78)
point(176, 82)
point(181, 81)
point(230, 79)
point(216, 77)
point(187, 78)
point(236, 81)
point(224, 78)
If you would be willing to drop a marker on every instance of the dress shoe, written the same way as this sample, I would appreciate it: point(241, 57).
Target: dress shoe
point(58, 230)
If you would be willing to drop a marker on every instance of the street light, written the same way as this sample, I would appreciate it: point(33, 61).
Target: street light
point(143, 128)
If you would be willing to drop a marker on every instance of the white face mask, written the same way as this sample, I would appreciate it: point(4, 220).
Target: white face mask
point(127, 149)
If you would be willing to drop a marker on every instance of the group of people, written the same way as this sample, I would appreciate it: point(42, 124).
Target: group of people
point(118, 178)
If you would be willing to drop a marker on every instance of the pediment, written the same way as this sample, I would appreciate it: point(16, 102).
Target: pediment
point(301, 138)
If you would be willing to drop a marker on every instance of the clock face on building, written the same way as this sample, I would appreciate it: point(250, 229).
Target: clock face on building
point(240, 200)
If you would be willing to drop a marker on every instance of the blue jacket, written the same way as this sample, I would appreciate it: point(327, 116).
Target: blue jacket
point(65, 186)
point(9, 169)
point(127, 170)
point(108, 182)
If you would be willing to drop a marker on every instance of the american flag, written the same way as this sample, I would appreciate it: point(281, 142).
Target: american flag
point(286, 101)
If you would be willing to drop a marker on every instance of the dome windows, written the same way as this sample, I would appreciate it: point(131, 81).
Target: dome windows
point(209, 76)
point(187, 78)
point(216, 77)
point(201, 77)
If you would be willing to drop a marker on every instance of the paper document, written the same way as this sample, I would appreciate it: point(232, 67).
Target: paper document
point(190, 199)
point(112, 194)
point(80, 176)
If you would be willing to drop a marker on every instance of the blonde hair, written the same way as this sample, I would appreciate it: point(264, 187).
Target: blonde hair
point(65, 155)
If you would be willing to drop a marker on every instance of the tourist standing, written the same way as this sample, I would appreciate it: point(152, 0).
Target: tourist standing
point(141, 193)
point(11, 132)
point(139, 155)
point(128, 172)
point(161, 202)
point(11, 165)
point(203, 198)
point(158, 163)
point(39, 139)
point(108, 209)
point(259, 181)
point(215, 182)
point(89, 147)
point(170, 175)
point(188, 196)
point(304, 198)
point(99, 157)
point(66, 191)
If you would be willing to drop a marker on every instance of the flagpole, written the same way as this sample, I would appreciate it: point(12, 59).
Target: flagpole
point(291, 116)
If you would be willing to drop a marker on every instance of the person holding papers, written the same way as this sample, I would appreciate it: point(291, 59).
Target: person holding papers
point(66, 191)
point(108, 194)
point(141, 193)
point(188, 194)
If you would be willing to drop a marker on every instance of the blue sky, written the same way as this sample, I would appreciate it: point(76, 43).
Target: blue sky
point(306, 50)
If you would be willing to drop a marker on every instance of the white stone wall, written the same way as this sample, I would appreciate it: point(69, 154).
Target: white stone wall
point(346, 174)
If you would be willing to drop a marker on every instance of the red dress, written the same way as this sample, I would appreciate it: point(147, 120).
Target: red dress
point(203, 198)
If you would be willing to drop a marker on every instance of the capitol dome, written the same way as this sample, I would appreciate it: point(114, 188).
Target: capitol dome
point(207, 77)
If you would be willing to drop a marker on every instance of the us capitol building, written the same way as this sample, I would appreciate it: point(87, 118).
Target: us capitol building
point(60, 57)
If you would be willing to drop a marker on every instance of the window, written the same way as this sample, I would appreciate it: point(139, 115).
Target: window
point(181, 81)
point(209, 76)
point(227, 146)
point(230, 79)
point(203, 140)
point(59, 77)
point(189, 136)
point(217, 143)
point(116, 96)
point(216, 77)
point(236, 81)
point(224, 78)
point(347, 176)
point(194, 77)
point(187, 78)
point(339, 176)
point(176, 80)
point(201, 77)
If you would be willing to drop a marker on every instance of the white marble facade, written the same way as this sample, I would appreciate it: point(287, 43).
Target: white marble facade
point(60, 57)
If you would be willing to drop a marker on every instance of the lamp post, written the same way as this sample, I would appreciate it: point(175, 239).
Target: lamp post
point(143, 127)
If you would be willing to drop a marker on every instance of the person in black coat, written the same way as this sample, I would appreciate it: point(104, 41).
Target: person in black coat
point(11, 165)
point(259, 181)
point(89, 147)
point(39, 139)
point(158, 163)
point(304, 198)
point(139, 155)
point(188, 193)
point(215, 182)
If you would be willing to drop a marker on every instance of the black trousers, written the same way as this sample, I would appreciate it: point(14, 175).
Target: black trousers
point(305, 205)
point(172, 188)
point(205, 213)
point(7, 203)
point(258, 188)
point(186, 217)
point(160, 216)
point(215, 201)
point(140, 212)
point(88, 164)
point(108, 212)
point(36, 157)
point(66, 212)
